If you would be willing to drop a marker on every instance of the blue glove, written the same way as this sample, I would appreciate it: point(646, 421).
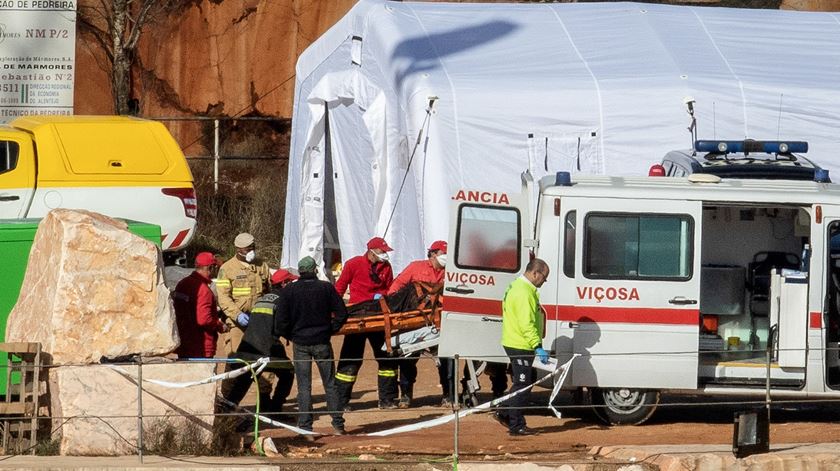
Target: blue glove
point(542, 355)
point(242, 319)
point(377, 296)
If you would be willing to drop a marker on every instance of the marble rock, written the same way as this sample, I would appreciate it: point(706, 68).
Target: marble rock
point(108, 398)
point(92, 289)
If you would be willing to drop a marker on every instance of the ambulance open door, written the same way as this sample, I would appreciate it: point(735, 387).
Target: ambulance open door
point(487, 250)
point(628, 298)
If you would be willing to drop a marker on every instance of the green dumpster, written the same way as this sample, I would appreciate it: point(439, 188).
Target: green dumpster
point(16, 237)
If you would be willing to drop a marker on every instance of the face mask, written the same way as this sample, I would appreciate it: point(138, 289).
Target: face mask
point(250, 256)
point(441, 259)
point(382, 256)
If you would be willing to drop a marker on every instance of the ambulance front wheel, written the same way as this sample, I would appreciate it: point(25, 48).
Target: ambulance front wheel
point(624, 406)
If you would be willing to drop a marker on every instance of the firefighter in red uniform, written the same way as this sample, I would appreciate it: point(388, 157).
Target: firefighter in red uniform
point(196, 311)
point(368, 276)
point(429, 270)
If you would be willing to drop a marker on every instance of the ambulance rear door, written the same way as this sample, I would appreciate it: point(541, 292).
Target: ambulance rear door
point(628, 301)
point(488, 241)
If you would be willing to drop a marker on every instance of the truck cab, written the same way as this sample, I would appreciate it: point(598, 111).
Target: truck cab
point(118, 166)
point(694, 285)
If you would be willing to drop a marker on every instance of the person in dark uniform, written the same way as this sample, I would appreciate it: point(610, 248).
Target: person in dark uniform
point(261, 341)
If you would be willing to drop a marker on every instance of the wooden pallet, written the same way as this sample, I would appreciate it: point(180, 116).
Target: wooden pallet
point(19, 407)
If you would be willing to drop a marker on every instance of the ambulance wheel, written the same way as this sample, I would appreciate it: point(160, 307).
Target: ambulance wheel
point(624, 406)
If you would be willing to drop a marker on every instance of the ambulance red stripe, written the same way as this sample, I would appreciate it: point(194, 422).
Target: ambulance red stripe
point(491, 307)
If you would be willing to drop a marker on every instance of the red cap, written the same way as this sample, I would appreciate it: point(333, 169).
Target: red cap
point(205, 259)
point(438, 245)
point(282, 275)
point(378, 243)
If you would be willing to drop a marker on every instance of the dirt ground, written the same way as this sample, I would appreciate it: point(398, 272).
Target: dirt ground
point(679, 420)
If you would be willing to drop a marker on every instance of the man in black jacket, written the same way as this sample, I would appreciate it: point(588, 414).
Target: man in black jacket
point(261, 341)
point(309, 312)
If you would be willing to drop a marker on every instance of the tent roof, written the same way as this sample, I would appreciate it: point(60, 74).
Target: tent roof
point(589, 87)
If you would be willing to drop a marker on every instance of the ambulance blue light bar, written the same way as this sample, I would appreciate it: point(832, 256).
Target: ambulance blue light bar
point(745, 147)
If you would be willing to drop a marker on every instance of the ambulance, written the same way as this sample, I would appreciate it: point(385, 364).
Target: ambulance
point(119, 166)
point(696, 285)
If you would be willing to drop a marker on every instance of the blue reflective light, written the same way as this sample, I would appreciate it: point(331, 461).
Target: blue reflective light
point(563, 179)
point(821, 176)
point(768, 147)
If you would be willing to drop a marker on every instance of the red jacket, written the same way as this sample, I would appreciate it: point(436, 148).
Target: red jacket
point(356, 274)
point(195, 312)
point(420, 270)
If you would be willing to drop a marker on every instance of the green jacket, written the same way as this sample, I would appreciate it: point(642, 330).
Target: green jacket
point(522, 321)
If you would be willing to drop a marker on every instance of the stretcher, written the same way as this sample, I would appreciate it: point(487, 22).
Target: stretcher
point(415, 306)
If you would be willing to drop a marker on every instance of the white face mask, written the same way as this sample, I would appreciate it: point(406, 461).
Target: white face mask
point(441, 259)
point(383, 256)
point(250, 256)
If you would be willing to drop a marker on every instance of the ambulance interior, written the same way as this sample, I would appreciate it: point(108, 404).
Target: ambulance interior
point(741, 245)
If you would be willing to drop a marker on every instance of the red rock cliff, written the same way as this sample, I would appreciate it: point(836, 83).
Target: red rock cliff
point(228, 58)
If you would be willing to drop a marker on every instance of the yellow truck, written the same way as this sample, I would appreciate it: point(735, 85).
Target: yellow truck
point(119, 166)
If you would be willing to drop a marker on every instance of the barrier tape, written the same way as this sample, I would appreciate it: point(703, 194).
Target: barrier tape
point(259, 364)
point(266, 420)
point(561, 370)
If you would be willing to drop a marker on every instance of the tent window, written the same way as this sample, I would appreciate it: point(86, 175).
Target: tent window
point(488, 238)
point(638, 247)
point(8, 155)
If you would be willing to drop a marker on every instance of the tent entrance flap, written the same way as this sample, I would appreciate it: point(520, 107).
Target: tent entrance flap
point(332, 248)
point(350, 190)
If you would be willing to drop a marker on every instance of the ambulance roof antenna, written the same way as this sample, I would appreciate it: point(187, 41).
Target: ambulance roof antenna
point(692, 128)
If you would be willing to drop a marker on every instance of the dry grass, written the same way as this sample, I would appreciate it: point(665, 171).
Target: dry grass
point(251, 195)
point(251, 198)
point(177, 436)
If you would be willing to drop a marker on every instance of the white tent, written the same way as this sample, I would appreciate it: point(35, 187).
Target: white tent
point(592, 88)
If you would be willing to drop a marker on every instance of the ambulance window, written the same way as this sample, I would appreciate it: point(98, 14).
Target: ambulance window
point(638, 246)
point(569, 232)
point(488, 238)
point(8, 155)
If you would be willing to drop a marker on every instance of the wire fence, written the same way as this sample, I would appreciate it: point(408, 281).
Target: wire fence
point(149, 419)
point(212, 139)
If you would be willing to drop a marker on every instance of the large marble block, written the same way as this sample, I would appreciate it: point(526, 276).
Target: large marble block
point(92, 289)
point(100, 391)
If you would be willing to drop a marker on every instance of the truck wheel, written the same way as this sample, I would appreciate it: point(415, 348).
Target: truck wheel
point(624, 406)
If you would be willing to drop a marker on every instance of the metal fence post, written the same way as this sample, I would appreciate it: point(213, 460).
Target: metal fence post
point(140, 407)
point(769, 354)
point(457, 405)
point(215, 156)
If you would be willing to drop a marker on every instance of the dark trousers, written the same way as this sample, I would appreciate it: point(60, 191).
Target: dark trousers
point(270, 402)
point(323, 356)
point(497, 372)
point(522, 374)
point(350, 360)
point(408, 375)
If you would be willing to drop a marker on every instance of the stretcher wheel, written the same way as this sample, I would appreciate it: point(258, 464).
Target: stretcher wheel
point(624, 406)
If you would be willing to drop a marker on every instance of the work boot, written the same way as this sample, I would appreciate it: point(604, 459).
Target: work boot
point(405, 398)
point(387, 405)
point(405, 402)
